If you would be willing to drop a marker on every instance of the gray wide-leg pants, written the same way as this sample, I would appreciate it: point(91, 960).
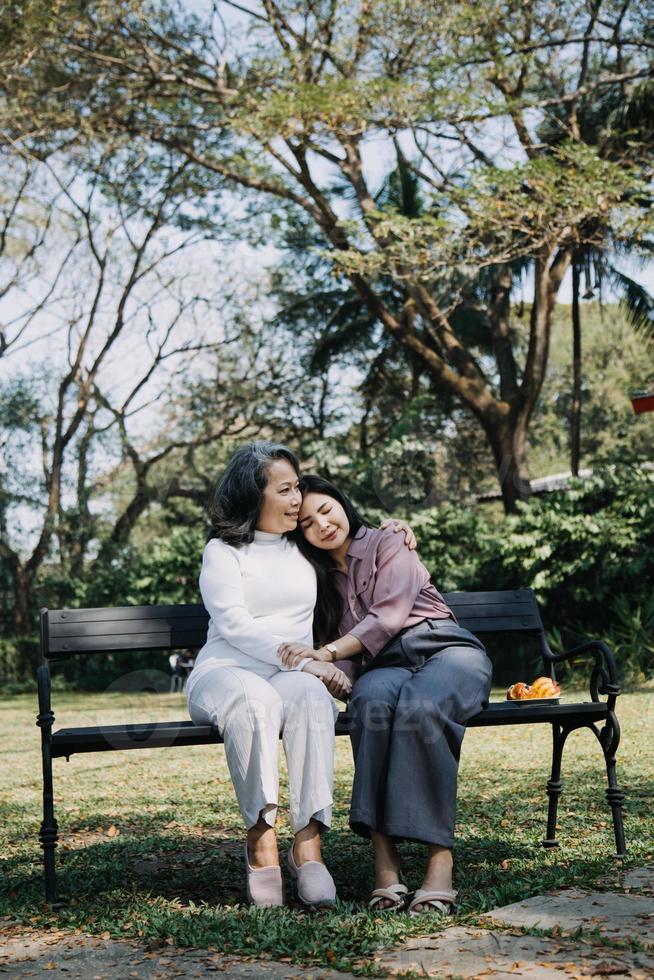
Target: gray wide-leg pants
point(407, 726)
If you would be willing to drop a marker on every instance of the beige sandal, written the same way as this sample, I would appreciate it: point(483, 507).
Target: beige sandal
point(432, 902)
point(394, 893)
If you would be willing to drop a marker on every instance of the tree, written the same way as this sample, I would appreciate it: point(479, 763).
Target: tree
point(607, 119)
point(277, 98)
point(400, 423)
point(613, 366)
point(116, 347)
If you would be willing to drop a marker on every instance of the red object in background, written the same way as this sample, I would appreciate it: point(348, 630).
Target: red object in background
point(642, 402)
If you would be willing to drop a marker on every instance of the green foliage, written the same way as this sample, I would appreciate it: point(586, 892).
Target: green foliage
point(449, 539)
point(614, 363)
point(163, 570)
point(579, 548)
point(631, 634)
point(588, 553)
point(166, 571)
point(16, 654)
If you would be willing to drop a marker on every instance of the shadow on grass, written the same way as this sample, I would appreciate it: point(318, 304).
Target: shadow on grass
point(186, 870)
point(155, 886)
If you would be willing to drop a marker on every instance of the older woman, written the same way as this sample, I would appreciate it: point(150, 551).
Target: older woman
point(422, 677)
point(259, 591)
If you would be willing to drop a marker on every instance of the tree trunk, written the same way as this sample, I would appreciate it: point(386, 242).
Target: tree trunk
point(575, 412)
point(144, 495)
point(23, 623)
point(500, 312)
point(508, 442)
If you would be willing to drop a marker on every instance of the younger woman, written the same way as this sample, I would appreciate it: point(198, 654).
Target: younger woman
point(421, 678)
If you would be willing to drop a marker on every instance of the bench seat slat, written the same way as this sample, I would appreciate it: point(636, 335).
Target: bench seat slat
point(510, 713)
point(70, 741)
point(167, 734)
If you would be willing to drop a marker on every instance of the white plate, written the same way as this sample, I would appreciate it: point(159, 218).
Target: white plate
point(554, 700)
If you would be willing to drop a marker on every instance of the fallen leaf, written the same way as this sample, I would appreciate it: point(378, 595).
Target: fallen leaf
point(606, 969)
point(113, 831)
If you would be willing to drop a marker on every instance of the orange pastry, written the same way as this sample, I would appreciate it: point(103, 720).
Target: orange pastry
point(543, 687)
point(518, 692)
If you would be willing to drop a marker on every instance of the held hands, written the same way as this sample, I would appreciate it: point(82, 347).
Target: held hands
point(337, 683)
point(397, 525)
point(290, 654)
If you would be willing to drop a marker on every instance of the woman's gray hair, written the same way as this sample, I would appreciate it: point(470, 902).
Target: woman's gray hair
point(236, 501)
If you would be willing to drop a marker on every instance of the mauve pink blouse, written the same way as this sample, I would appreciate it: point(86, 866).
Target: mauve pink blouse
point(386, 588)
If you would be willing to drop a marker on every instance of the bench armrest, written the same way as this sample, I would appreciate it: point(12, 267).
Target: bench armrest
point(604, 677)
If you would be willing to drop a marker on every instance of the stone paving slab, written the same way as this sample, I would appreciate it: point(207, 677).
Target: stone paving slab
point(91, 958)
point(641, 879)
point(469, 952)
point(465, 952)
point(614, 915)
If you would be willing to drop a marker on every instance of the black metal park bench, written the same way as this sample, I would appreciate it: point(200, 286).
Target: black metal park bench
point(509, 616)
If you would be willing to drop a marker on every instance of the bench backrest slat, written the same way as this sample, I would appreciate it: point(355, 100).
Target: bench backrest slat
point(114, 614)
point(512, 611)
point(78, 631)
point(127, 627)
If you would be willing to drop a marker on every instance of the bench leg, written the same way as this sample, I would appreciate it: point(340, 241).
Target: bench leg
point(610, 739)
point(48, 834)
point(554, 785)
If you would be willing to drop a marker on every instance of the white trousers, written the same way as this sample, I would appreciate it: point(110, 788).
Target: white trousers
point(251, 712)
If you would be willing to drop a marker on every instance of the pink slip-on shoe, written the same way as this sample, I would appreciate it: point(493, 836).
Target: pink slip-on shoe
point(315, 885)
point(264, 886)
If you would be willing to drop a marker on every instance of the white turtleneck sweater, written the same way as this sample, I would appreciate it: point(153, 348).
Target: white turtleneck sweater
point(258, 596)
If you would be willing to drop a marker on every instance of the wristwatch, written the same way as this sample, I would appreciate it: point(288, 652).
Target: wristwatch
point(332, 649)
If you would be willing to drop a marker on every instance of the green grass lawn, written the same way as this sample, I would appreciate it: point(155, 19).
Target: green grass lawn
point(151, 841)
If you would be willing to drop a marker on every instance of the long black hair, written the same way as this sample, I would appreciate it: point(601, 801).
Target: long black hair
point(329, 604)
point(236, 501)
